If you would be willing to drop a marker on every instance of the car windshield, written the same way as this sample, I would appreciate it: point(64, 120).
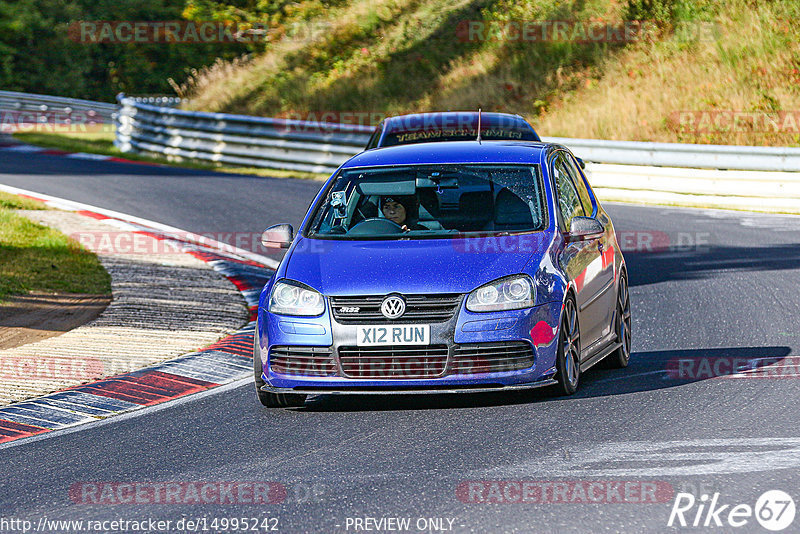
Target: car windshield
point(430, 201)
point(427, 135)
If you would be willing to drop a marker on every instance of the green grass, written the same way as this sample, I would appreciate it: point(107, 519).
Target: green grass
point(103, 143)
point(94, 143)
point(37, 258)
point(15, 202)
point(385, 57)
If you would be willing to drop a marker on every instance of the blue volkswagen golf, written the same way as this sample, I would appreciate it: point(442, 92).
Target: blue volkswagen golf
point(444, 267)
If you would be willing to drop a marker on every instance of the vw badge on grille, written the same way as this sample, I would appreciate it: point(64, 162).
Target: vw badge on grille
point(393, 307)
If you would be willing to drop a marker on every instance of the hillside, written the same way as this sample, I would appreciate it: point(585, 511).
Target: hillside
point(706, 71)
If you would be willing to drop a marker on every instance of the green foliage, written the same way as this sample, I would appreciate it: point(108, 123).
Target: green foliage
point(384, 56)
point(268, 12)
point(38, 53)
point(660, 11)
point(670, 12)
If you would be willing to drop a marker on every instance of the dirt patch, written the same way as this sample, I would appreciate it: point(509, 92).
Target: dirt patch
point(36, 316)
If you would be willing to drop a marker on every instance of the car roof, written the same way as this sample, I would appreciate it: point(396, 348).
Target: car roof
point(453, 152)
point(452, 119)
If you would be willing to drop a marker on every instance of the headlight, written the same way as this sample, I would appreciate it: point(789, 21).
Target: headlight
point(292, 298)
point(508, 294)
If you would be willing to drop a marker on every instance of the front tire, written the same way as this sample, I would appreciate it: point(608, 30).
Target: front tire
point(271, 400)
point(622, 326)
point(568, 359)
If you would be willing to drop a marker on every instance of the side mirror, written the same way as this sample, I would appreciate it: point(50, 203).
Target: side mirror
point(580, 162)
point(278, 236)
point(584, 229)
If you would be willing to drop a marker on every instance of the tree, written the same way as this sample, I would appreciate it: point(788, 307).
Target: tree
point(38, 53)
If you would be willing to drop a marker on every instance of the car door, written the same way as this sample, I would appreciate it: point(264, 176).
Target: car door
point(580, 260)
point(605, 299)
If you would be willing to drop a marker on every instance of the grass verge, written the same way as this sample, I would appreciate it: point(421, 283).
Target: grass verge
point(36, 258)
point(16, 202)
point(103, 144)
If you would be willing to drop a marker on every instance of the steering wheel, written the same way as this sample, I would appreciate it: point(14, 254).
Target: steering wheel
point(376, 226)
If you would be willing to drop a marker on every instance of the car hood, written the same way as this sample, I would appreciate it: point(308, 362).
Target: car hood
point(413, 266)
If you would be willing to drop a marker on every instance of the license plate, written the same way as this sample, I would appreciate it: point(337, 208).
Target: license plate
point(401, 334)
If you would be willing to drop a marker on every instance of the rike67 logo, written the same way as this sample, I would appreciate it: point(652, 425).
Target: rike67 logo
point(774, 510)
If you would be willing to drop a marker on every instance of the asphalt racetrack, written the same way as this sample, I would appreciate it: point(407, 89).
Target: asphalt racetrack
point(712, 292)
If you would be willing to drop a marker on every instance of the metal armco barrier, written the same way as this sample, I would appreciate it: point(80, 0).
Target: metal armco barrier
point(741, 177)
point(761, 178)
point(24, 108)
point(753, 158)
point(237, 139)
point(294, 144)
point(770, 191)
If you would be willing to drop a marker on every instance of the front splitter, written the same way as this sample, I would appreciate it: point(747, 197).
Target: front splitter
point(355, 390)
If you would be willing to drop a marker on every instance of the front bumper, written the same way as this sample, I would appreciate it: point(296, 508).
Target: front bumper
point(535, 326)
point(383, 390)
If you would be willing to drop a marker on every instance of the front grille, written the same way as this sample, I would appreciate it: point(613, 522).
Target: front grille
point(437, 308)
point(303, 361)
point(495, 357)
point(393, 362)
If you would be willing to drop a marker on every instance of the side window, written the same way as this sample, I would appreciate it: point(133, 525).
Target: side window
point(577, 177)
point(568, 200)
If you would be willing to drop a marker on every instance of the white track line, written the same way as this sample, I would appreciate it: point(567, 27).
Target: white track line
point(144, 410)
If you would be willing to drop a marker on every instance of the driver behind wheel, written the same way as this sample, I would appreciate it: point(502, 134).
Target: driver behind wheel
point(400, 210)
